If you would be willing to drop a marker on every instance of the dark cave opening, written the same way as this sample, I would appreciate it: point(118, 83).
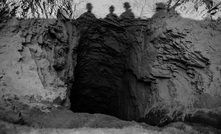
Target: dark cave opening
point(98, 84)
point(111, 75)
point(110, 95)
point(93, 98)
point(104, 79)
point(126, 100)
point(94, 103)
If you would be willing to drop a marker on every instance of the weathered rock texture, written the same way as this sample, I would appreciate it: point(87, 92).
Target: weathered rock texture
point(158, 71)
point(161, 70)
point(36, 58)
point(185, 69)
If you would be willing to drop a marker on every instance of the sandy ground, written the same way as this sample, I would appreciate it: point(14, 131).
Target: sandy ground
point(53, 119)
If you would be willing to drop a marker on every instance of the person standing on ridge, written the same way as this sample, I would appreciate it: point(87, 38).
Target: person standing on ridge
point(128, 14)
point(88, 14)
point(111, 15)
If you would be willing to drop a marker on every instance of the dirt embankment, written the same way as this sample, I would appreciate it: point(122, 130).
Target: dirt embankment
point(158, 71)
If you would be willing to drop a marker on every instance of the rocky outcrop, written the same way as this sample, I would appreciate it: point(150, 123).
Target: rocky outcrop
point(161, 70)
point(185, 70)
point(37, 59)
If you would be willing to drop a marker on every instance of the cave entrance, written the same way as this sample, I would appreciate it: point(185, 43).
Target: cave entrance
point(94, 97)
point(103, 83)
point(109, 95)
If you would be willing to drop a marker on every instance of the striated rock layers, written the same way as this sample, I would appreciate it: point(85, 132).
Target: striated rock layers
point(157, 71)
point(36, 64)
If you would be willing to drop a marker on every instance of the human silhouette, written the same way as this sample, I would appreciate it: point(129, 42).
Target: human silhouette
point(128, 14)
point(88, 14)
point(111, 15)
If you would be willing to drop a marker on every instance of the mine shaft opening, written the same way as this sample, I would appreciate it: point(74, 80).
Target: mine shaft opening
point(106, 95)
point(97, 87)
point(103, 81)
point(95, 100)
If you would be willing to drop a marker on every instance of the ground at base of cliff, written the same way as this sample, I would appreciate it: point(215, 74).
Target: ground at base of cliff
point(19, 118)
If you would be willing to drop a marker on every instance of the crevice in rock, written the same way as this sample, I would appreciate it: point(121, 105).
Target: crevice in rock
point(104, 82)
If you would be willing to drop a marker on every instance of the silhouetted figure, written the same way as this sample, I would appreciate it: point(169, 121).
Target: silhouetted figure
point(88, 14)
point(128, 14)
point(111, 15)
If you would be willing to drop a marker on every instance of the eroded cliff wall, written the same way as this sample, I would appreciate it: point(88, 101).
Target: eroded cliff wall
point(37, 59)
point(158, 71)
point(185, 69)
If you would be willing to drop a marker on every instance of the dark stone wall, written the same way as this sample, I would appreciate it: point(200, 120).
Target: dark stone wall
point(154, 70)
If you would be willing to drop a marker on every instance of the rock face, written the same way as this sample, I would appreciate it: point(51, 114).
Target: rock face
point(158, 71)
point(36, 59)
point(185, 70)
point(161, 70)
